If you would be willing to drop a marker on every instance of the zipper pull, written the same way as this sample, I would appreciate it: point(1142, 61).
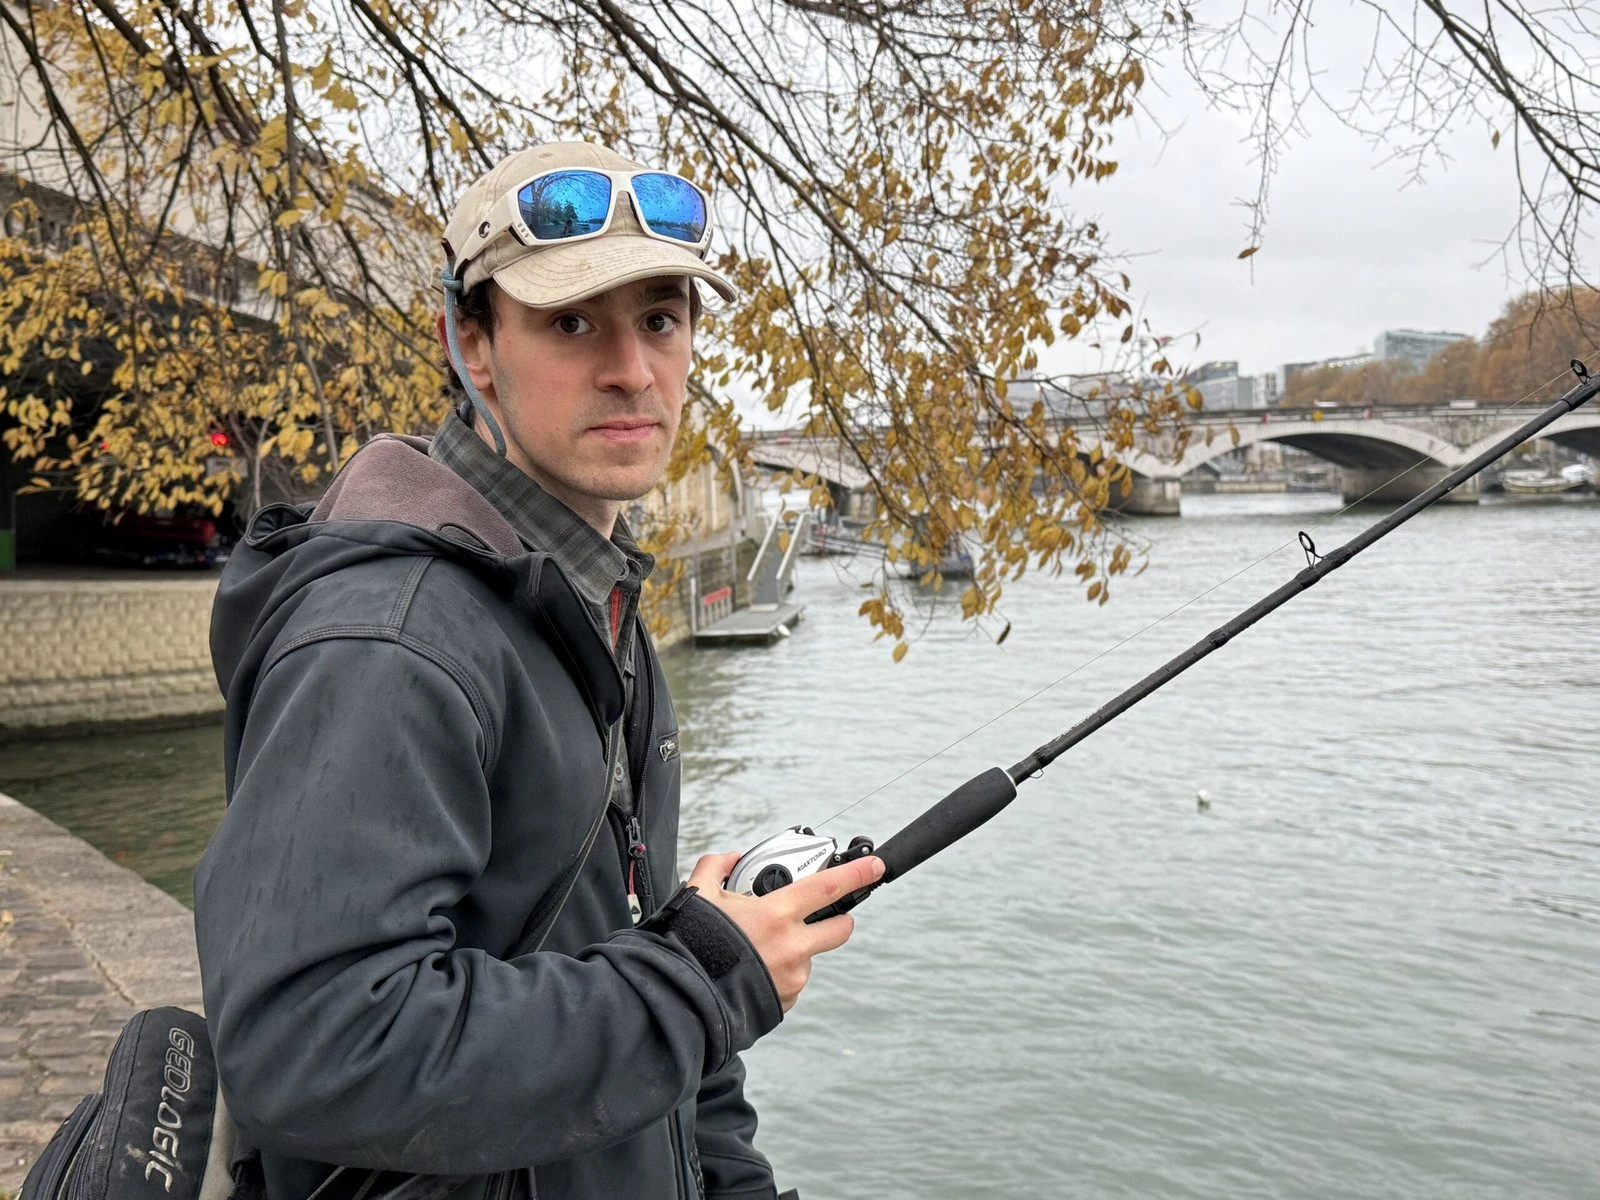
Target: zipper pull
point(635, 858)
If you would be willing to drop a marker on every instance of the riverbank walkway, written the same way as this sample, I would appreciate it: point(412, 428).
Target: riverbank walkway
point(83, 944)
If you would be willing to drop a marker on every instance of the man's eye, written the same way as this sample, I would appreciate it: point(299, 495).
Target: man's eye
point(661, 322)
point(571, 323)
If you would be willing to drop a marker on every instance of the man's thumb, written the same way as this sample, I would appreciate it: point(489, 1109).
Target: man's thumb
point(712, 870)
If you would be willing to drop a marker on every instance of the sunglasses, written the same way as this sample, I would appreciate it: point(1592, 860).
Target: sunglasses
point(574, 203)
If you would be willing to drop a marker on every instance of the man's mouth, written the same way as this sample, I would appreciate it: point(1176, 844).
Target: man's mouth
point(626, 429)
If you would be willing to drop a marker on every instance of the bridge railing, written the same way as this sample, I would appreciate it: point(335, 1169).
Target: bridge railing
point(1457, 408)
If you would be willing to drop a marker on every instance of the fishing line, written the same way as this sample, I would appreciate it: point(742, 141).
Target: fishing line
point(1221, 583)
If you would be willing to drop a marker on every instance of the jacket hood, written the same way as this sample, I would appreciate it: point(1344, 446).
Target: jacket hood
point(392, 500)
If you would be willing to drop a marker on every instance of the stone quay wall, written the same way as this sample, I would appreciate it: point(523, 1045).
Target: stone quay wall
point(716, 563)
point(80, 650)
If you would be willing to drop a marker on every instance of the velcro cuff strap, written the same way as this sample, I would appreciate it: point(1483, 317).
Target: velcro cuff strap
point(701, 928)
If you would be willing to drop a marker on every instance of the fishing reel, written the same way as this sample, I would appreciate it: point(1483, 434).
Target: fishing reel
point(793, 854)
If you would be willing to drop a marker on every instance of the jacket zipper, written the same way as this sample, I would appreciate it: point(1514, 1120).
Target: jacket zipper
point(640, 894)
point(636, 872)
point(636, 849)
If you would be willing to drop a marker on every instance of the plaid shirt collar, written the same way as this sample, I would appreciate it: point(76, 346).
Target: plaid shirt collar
point(594, 564)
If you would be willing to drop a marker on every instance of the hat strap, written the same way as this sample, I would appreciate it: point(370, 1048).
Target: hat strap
point(453, 288)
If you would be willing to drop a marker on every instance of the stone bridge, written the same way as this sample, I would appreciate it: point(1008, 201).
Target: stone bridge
point(1386, 454)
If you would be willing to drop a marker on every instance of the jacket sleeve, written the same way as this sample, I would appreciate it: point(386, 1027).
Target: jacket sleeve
point(348, 1025)
point(725, 1130)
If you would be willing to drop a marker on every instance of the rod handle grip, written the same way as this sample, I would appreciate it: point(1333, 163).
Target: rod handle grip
point(947, 822)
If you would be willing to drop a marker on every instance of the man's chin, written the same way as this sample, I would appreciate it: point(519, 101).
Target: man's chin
point(624, 486)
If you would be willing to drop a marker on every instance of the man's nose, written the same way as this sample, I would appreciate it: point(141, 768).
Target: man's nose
point(625, 367)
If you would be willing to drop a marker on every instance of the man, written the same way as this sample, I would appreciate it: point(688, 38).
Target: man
point(438, 927)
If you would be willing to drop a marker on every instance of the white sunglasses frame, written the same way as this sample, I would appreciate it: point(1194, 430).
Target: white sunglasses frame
point(506, 215)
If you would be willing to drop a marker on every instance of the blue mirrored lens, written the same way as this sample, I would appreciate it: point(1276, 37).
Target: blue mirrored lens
point(565, 204)
point(671, 207)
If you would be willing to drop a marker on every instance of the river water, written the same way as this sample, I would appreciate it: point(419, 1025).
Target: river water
point(1370, 969)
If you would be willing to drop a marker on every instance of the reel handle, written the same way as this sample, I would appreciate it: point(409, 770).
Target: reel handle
point(777, 861)
point(859, 847)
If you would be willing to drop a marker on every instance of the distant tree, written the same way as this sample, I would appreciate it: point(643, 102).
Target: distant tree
point(1524, 355)
point(1526, 352)
point(1451, 374)
point(1359, 386)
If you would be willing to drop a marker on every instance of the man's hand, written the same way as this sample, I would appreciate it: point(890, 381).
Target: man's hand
point(775, 923)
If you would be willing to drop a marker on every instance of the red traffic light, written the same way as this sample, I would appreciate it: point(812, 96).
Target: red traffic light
point(218, 438)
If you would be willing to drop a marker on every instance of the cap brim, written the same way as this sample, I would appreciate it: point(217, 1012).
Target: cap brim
point(565, 274)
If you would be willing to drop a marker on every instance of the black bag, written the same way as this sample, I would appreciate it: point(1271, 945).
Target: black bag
point(157, 1129)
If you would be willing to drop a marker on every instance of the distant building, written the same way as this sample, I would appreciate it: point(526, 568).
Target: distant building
point(1221, 385)
point(1265, 393)
point(1289, 370)
point(1414, 346)
point(1349, 360)
point(1221, 369)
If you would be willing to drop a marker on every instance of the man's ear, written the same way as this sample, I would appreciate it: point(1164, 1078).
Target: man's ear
point(474, 354)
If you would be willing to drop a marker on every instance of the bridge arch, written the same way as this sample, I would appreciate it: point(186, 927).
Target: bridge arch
point(1361, 444)
point(1578, 431)
point(1387, 457)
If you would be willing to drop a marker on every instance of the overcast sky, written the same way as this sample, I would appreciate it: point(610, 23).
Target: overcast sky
point(1352, 246)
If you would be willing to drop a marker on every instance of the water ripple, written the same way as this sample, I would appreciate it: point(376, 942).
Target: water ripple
point(1369, 970)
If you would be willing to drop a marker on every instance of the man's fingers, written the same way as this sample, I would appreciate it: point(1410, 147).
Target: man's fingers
point(832, 933)
point(819, 890)
point(712, 869)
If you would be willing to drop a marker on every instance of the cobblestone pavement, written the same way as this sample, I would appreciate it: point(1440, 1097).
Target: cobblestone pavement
point(58, 1018)
point(83, 944)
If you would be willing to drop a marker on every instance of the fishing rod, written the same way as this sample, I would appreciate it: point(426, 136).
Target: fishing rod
point(798, 851)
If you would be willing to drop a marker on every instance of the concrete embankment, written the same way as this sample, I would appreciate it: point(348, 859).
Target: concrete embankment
point(82, 649)
point(83, 944)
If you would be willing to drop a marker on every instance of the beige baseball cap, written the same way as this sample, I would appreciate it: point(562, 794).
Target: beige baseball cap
point(548, 275)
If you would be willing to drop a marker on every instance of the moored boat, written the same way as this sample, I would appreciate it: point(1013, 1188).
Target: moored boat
point(1576, 477)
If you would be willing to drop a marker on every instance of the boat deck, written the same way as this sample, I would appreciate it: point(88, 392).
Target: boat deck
point(750, 625)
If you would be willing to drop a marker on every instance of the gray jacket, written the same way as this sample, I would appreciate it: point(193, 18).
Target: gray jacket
point(417, 718)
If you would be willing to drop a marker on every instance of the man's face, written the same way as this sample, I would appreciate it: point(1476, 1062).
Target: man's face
point(588, 395)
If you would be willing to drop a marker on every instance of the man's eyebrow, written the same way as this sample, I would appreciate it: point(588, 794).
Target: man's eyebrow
point(674, 290)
